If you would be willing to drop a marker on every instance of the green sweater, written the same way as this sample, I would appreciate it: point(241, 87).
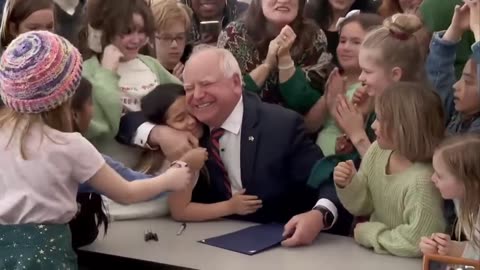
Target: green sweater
point(402, 207)
point(298, 93)
point(106, 98)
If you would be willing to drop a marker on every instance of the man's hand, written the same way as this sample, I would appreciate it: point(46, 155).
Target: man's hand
point(303, 229)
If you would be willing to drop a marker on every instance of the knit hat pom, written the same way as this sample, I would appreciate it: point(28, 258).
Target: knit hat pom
point(39, 71)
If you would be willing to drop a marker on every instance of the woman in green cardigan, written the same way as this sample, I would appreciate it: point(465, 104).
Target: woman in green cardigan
point(119, 74)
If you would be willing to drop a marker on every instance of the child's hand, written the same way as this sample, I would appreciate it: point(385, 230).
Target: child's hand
point(344, 173)
point(178, 71)
point(348, 117)
point(244, 204)
point(460, 23)
point(195, 158)
point(428, 246)
point(474, 6)
point(111, 58)
point(335, 87)
point(444, 243)
point(177, 178)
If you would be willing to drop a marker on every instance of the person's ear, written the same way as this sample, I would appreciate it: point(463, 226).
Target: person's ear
point(75, 117)
point(237, 83)
point(13, 29)
point(396, 74)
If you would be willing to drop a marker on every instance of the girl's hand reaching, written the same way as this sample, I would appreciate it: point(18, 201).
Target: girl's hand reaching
point(195, 158)
point(343, 173)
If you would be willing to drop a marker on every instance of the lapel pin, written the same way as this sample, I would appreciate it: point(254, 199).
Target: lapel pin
point(251, 138)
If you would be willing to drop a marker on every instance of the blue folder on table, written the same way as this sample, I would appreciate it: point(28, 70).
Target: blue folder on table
point(249, 241)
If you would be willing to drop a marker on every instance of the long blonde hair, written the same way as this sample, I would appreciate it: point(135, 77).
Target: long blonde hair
point(22, 124)
point(460, 154)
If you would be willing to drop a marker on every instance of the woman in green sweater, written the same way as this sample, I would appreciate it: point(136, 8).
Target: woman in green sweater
point(393, 184)
point(119, 74)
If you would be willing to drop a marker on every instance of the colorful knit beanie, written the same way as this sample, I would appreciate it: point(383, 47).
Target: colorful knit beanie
point(39, 71)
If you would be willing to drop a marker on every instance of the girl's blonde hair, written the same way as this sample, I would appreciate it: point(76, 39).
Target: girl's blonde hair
point(397, 45)
point(460, 154)
point(22, 124)
point(412, 116)
point(167, 12)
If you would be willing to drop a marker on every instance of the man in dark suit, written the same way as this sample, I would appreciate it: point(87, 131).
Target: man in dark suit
point(259, 147)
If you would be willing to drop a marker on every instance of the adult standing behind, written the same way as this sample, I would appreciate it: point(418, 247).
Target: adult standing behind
point(224, 11)
point(283, 57)
point(252, 152)
point(326, 14)
point(172, 24)
point(119, 74)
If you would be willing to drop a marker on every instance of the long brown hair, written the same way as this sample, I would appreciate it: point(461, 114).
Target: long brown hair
point(460, 154)
point(16, 12)
point(257, 24)
point(413, 117)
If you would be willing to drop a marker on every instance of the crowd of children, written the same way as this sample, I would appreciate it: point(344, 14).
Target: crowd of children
point(398, 127)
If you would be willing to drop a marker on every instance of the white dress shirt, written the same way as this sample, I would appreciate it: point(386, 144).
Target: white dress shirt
point(230, 146)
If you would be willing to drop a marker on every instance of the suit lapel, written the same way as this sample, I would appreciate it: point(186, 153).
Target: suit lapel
point(250, 137)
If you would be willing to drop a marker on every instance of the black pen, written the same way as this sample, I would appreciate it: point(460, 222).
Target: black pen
point(182, 228)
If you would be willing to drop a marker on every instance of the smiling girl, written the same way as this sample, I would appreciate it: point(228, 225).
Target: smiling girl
point(120, 75)
point(393, 184)
point(353, 30)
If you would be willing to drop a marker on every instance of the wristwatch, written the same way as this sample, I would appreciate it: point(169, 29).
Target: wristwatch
point(328, 217)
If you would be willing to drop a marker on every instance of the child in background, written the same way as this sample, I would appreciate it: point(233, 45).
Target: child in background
point(166, 105)
point(43, 161)
point(461, 99)
point(352, 30)
point(388, 54)
point(393, 184)
point(457, 176)
point(463, 103)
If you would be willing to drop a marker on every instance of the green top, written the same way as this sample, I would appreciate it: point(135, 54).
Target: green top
point(327, 138)
point(437, 16)
point(402, 207)
point(106, 98)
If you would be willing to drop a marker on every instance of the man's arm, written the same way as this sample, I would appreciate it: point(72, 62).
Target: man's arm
point(304, 228)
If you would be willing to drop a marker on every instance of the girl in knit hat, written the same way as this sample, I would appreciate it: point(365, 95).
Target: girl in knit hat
point(43, 161)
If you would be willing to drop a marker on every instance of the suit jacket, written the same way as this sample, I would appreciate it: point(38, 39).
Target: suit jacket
point(276, 159)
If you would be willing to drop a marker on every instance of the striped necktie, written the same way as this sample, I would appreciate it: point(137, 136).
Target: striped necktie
point(215, 136)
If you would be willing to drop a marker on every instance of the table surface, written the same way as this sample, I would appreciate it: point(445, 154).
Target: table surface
point(126, 239)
